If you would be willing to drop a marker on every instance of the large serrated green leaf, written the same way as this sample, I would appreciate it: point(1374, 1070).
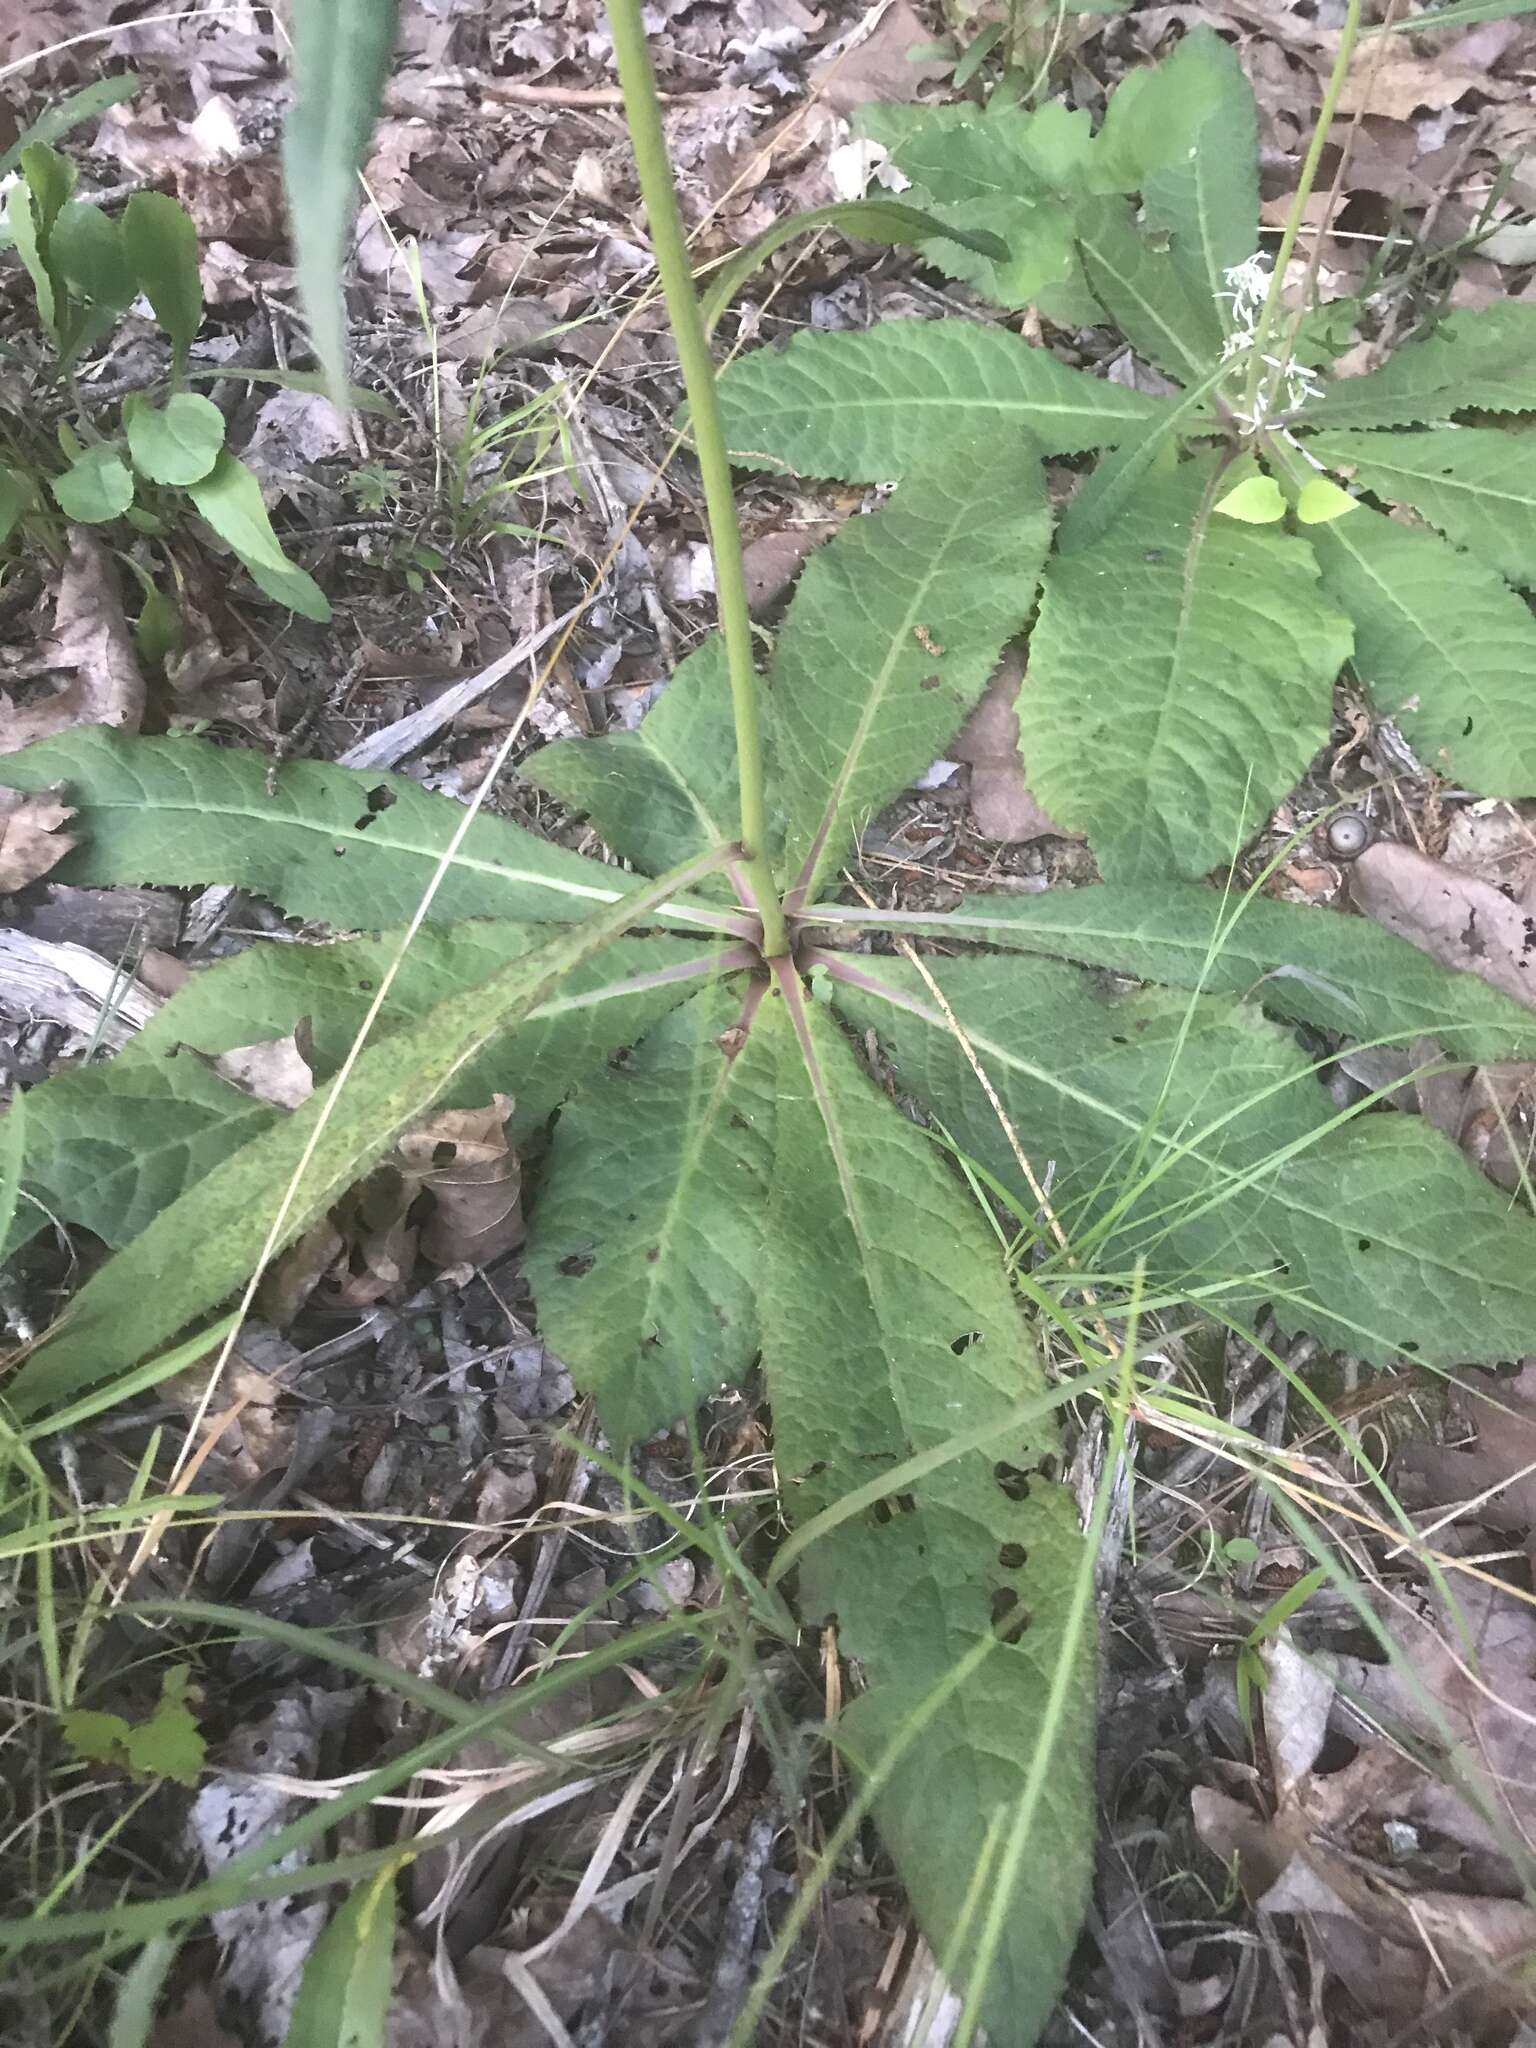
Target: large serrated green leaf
point(888, 1330)
point(983, 173)
point(108, 1147)
point(1380, 1227)
point(1343, 974)
point(1104, 1086)
point(1180, 679)
point(668, 790)
point(341, 55)
point(647, 1242)
point(1445, 647)
point(1161, 313)
point(268, 989)
point(145, 1297)
point(893, 631)
point(1473, 362)
point(1156, 116)
point(872, 407)
point(1477, 484)
point(355, 849)
point(1206, 198)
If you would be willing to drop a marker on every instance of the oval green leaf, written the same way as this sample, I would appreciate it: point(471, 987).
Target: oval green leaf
point(97, 487)
point(229, 498)
point(1322, 501)
point(162, 248)
point(1256, 501)
point(176, 444)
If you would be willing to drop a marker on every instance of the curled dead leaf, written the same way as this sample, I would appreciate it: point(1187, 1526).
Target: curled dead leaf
point(91, 637)
point(1457, 919)
point(462, 1158)
point(30, 840)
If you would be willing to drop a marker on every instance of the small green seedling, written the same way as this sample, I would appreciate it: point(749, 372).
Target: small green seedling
point(166, 458)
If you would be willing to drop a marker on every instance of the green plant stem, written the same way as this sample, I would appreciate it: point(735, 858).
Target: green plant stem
point(1320, 132)
point(642, 110)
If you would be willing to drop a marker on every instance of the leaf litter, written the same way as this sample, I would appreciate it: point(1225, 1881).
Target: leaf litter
point(453, 1379)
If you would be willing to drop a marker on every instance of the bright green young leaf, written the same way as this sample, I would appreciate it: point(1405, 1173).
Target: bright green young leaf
point(162, 247)
point(168, 1744)
point(344, 1995)
point(353, 849)
point(1342, 974)
point(265, 991)
point(1321, 501)
point(888, 1330)
point(871, 407)
point(151, 1291)
point(1180, 679)
point(71, 112)
point(108, 1147)
point(1257, 501)
point(888, 221)
point(341, 55)
point(1163, 315)
point(1445, 647)
point(1205, 198)
point(177, 443)
point(13, 501)
point(230, 499)
point(96, 487)
point(647, 1243)
point(668, 790)
point(1472, 362)
point(1477, 484)
point(895, 626)
point(1380, 1228)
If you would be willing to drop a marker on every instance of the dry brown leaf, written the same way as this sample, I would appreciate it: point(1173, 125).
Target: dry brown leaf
point(30, 840)
point(774, 559)
point(293, 431)
point(378, 1242)
point(463, 1159)
point(1298, 1698)
point(90, 636)
point(1398, 85)
point(294, 1274)
point(273, 1070)
point(1001, 800)
point(1492, 1469)
point(877, 68)
point(1458, 920)
point(491, 329)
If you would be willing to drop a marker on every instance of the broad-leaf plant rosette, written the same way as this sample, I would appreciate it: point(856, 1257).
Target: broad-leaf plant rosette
point(735, 1195)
